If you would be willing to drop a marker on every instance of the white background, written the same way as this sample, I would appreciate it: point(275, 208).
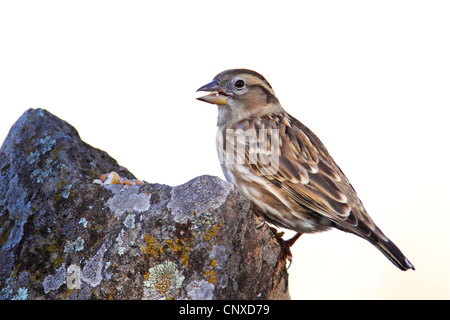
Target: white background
point(370, 78)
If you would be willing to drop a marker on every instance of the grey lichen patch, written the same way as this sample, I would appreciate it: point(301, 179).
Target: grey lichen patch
point(203, 221)
point(200, 290)
point(218, 254)
point(48, 170)
point(120, 243)
point(127, 200)
point(47, 144)
point(55, 281)
point(45, 165)
point(18, 211)
point(33, 156)
point(22, 294)
point(129, 221)
point(92, 271)
point(163, 280)
point(196, 195)
point(76, 245)
point(40, 175)
point(15, 286)
point(83, 222)
point(65, 193)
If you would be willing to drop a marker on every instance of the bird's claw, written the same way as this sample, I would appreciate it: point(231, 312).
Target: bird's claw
point(287, 254)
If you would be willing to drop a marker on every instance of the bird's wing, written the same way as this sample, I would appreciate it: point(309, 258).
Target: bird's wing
point(307, 174)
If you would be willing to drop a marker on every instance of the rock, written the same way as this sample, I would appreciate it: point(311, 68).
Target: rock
point(64, 237)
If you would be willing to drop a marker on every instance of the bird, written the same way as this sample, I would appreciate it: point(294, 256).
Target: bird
point(282, 167)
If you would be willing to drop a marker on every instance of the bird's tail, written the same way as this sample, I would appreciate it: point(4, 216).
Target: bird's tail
point(379, 240)
point(393, 253)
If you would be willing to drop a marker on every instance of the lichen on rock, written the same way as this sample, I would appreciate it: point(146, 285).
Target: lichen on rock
point(163, 280)
point(64, 237)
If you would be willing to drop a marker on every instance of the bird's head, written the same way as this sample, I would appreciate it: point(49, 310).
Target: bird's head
point(240, 94)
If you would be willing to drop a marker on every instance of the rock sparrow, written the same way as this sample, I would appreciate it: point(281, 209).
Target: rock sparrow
point(282, 167)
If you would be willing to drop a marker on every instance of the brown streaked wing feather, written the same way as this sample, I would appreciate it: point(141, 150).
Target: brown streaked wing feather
point(309, 176)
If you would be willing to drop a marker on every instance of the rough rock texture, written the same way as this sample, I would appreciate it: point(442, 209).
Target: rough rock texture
point(63, 237)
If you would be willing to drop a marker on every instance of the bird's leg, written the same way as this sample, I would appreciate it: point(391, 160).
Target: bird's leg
point(291, 241)
point(287, 254)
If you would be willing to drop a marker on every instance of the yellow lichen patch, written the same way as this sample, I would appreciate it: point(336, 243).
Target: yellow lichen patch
point(210, 276)
point(180, 246)
point(153, 248)
point(212, 232)
point(164, 283)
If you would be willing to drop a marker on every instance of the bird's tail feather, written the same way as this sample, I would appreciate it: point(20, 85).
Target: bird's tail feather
point(393, 253)
point(379, 240)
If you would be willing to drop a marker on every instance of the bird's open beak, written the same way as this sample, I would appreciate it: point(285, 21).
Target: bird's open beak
point(217, 95)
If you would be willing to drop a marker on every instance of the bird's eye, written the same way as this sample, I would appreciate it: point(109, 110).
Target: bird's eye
point(239, 84)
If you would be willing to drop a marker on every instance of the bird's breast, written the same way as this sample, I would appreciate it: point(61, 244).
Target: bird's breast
point(276, 208)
